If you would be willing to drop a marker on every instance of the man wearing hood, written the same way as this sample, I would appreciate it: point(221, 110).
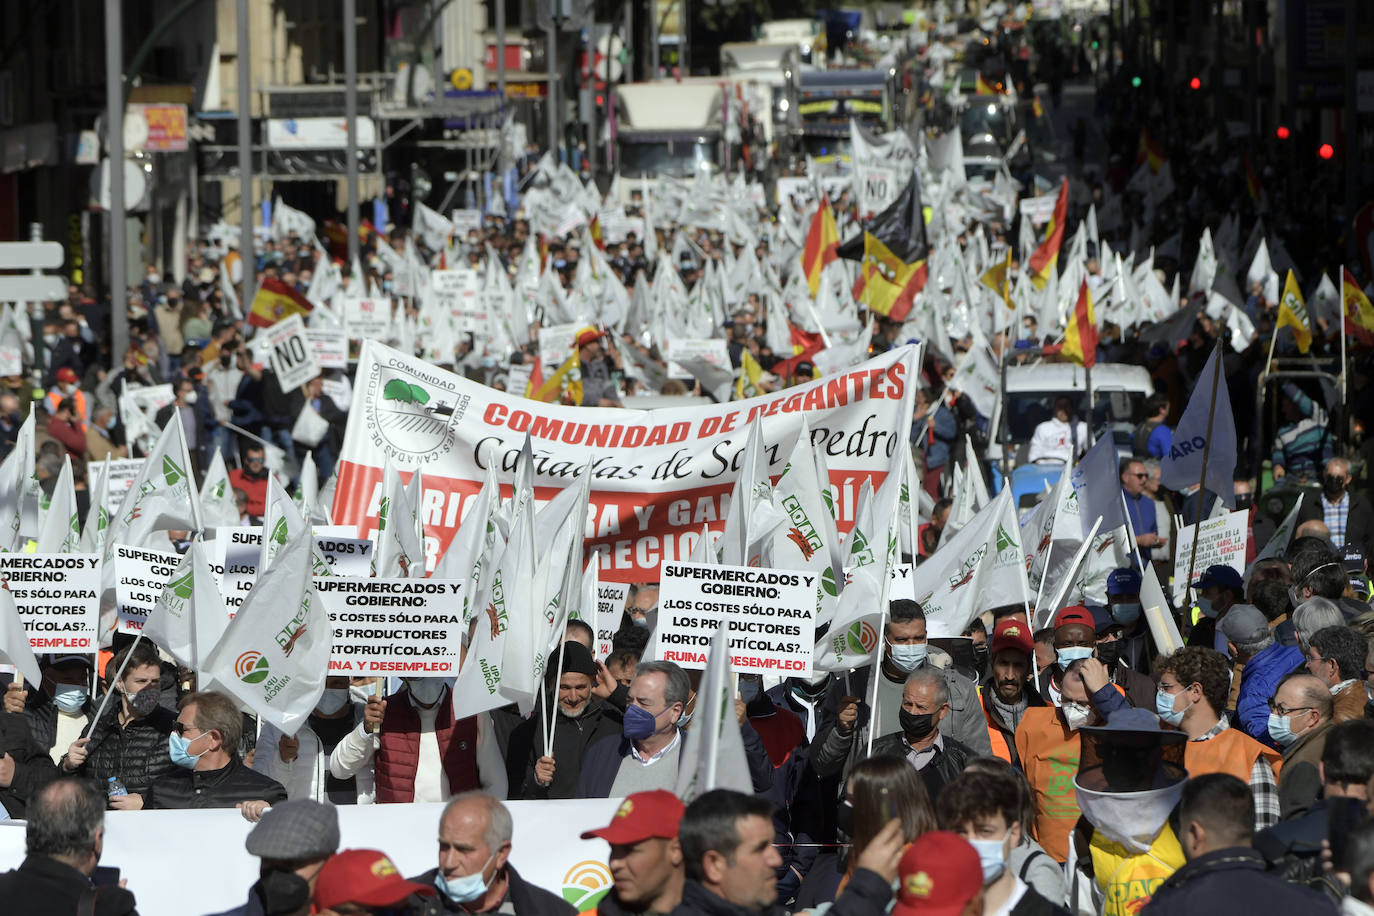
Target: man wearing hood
point(580, 720)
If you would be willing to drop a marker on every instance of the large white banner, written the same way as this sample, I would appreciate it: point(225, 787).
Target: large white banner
point(658, 475)
point(546, 848)
point(58, 598)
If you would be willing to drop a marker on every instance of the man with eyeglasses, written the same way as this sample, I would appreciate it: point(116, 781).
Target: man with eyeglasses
point(1299, 717)
point(1336, 656)
point(1140, 507)
point(252, 479)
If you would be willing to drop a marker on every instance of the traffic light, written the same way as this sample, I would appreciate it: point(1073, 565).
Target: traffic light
point(1195, 83)
point(1135, 82)
point(1282, 133)
point(1326, 151)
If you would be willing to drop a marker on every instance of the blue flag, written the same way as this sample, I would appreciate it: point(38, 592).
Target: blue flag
point(1096, 482)
point(1182, 467)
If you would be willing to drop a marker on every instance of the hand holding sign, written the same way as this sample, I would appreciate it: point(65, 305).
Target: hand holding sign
point(372, 714)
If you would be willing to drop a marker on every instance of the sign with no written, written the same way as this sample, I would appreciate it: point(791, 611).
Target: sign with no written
point(58, 597)
point(1222, 543)
point(140, 576)
point(367, 318)
point(393, 626)
point(292, 356)
point(771, 615)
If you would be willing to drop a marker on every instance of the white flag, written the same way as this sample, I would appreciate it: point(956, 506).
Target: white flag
point(60, 531)
point(274, 655)
point(398, 551)
point(980, 568)
point(1097, 482)
point(16, 478)
point(97, 516)
point(217, 505)
point(1182, 467)
point(189, 617)
point(15, 648)
point(713, 755)
point(808, 539)
point(463, 560)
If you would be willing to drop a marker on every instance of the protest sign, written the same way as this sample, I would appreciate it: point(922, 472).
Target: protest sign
point(292, 359)
point(330, 346)
point(1038, 209)
point(555, 345)
point(58, 597)
point(610, 606)
point(714, 352)
point(770, 615)
point(235, 553)
point(122, 474)
point(658, 475)
point(150, 398)
point(903, 584)
point(367, 319)
point(465, 221)
point(139, 578)
point(393, 626)
point(1222, 543)
point(459, 295)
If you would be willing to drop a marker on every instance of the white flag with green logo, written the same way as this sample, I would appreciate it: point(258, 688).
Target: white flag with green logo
point(217, 504)
point(466, 555)
point(274, 654)
point(16, 484)
point(980, 568)
point(282, 520)
point(97, 516)
point(752, 486)
point(399, 554)
point(804, 541)
point(60, 530)
point(189, 617)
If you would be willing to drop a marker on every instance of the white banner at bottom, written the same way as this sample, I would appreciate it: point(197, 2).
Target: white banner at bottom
point(546, 849)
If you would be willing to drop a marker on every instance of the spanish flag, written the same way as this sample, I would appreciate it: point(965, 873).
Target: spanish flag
point(1359, 313)
point(1148, 151)
point(1037, 108)
point(275, 301)
point(822, 240)
point(595, 230)
point(1045, 258)
point(893, 250)
point(1252, 182)
point(1080, 337)
point(1293, 314)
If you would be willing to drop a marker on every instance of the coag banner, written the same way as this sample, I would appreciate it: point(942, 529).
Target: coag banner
point(658, 475)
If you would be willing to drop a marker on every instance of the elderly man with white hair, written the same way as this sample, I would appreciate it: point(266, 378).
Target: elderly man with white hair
point(1347, 515)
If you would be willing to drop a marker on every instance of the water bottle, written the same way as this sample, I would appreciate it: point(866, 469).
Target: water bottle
point(115, 788)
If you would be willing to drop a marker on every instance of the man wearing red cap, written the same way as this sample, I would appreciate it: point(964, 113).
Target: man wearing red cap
point(598, 385)
point(1006, 692)
point(68, 386)
point(940, 875)
point(646, 858)
point(359, 882)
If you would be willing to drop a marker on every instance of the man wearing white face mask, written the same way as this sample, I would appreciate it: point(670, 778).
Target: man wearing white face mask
point(984, 809)
point(905, 649)
point(474, 873)
point(419, 751)
point(301, 763)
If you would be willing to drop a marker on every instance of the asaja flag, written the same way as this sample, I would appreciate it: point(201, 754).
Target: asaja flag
point(1359, 313)
point(274, 655)
point(189, 617)
point(1293, 314)
point(1182, 467)
point(275, 301)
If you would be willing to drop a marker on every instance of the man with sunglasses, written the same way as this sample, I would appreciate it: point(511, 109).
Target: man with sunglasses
point(252, 479)
point(1140, 507)
point(1299, 718)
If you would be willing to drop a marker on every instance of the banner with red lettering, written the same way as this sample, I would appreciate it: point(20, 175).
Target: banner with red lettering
point(658, 475)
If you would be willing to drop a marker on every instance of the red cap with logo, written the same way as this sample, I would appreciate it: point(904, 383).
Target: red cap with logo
point(641, 816)
point(1075, 614)
point(939, 875)
point(365, 877)
point(67, 375)
point(1012, 633)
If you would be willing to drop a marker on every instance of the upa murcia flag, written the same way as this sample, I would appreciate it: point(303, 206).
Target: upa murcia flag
point(274, 654)
point(189, 617)
point(1182, 466)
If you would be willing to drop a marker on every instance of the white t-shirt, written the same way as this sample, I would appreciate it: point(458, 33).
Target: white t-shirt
point(1017, 892)
point(1054, 439)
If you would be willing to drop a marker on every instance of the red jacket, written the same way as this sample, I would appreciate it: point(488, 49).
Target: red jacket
point(254, 487)
point(71, 437)
point(398, 755)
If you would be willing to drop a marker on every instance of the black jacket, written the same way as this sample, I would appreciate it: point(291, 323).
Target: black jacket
point(602, 762)
point(866, 895)
point(948, 763)
point(571, 738)
point(1359, 519)
point(525, 898)
point(44, 885)
point(1232, 881)
point(222, 788)
point(41, 713)
point(33, 768)
point(136, 753)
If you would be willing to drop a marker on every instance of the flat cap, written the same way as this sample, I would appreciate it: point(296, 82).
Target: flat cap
point(295, 830)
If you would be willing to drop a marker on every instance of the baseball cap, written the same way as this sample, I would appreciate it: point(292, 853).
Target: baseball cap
point(1353, 558)
point(588, 335)
point(1102, 619)
point(642, 816)
point(365, 877)
point(68, 659)
point(1075, 614)
point(66, 374)
point(1123, 582)
point(298, 830)
point(1244, 623)
point(1221, 576)
point(1012, 634)
point(938, 875)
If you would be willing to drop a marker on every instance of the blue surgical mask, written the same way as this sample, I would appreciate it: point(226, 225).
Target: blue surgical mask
point(909, 658)
point(1070, 654)
point(1126, 613)
point(1280, 729)
point(466, 888)
point(179, 748)
point(1205, 606)
point(1164, 708)
point(639, 723)
point(70, 698)
point(990, 857)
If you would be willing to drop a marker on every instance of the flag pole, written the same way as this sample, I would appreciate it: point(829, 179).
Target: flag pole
point(1206, 454)
point(1343, 363)
point(553, 712)
point(1130, 530)
point(877, 673)
point(119, 675)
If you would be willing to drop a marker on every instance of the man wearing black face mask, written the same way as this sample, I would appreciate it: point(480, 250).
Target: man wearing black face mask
point(1347, 515)
point(294, 839)
point(1139, 688)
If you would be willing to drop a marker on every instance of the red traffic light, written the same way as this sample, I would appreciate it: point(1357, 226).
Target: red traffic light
point(1195, 83)
point(1326, 151)
point(1282, 132)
